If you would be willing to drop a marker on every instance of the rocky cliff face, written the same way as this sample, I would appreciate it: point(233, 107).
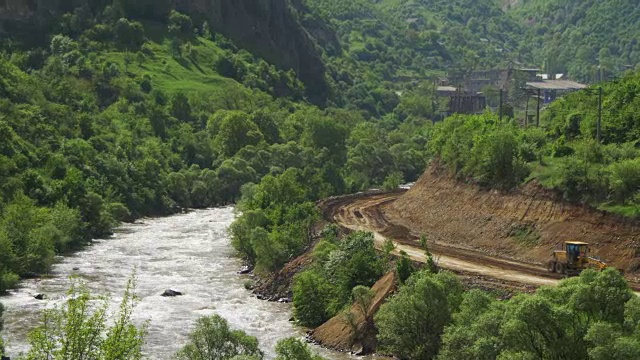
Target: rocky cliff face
point(269, 29)
point(264, 27)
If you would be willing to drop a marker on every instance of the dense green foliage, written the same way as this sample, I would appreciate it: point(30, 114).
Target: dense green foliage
point(377, 46)
point(116, 118)
point(589, 317)
point(562, 155)
point(340, 265)
point(80, 330)
point(477, 147)
point(589, 39)
point(295, 349)
point(593, 316)
point(411, 323)
point(212, 339)
point(376, 50)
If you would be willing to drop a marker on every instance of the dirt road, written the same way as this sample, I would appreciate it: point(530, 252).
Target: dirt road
point(363, 212)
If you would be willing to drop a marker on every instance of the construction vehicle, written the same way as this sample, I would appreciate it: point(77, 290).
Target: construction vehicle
point(573, 258)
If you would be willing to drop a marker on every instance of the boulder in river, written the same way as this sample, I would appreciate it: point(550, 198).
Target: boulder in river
point(244, 270)
point(284, 300)
point(171, 293)
point(39, 296)
point(76, 268)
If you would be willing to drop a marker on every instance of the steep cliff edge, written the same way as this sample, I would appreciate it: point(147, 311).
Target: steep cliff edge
point(268, 29)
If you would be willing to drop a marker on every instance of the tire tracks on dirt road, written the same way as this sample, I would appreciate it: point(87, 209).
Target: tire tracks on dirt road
point(362, 212)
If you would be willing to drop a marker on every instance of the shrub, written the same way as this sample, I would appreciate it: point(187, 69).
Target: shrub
point(212, 339)
point(311, 292)
point(411, 323)
point(129, 34)
point(624, 180)
point(294, 349)
point(79, 330)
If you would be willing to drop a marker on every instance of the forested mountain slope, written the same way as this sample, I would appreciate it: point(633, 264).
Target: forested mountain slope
point(112, 115)
point(589, 39)
point(373, 46)
point(264, 28)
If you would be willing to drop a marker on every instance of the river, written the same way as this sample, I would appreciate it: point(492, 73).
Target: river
point(190, 253)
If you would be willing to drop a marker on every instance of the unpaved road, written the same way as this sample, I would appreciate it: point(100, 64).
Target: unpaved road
point(364, 213)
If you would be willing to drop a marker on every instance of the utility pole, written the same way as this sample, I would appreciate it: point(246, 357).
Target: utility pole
point(538, 111)
point(500, 109)
point(599, 129)
point(526, 112)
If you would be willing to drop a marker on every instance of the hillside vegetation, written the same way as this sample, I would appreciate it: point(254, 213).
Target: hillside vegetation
point(588, 39)
point(562, 155)
point(113, 110)
point(117, 118)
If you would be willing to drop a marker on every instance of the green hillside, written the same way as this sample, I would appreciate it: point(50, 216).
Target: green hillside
point(117, 118)
point(114, 110)
point(588, 39)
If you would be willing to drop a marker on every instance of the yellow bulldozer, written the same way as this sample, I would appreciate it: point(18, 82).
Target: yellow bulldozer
point(573, 258)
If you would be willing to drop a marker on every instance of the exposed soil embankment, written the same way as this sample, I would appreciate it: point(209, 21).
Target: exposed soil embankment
point(278, 287)
point(524, 225)
point(357, 334)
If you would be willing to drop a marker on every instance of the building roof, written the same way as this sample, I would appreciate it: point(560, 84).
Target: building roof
point(556, 85)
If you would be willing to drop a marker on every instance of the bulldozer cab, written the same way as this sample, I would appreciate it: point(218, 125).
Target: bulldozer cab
point(576, 250)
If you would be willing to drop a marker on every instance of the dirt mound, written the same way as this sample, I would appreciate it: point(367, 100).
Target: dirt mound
point(357, 334)
point(525, 224)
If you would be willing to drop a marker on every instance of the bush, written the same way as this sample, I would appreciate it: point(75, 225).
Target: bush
point(311, 293)
point(212, 339)
point(411, 323)
point(129, 34)
point(79, 329)
point(624, 180)
point(393, 181)
point(294, 349)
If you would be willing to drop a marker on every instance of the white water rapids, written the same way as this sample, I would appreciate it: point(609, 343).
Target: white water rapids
point(190, 253)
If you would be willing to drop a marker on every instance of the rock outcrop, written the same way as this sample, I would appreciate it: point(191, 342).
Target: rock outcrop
point(269, 29)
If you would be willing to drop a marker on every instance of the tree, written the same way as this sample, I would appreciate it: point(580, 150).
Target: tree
point(362, 297)
point(387, 250)
point(411, 323)
point(61, 45)
point(475, 331)
point(294, 349)
point(236, 130)
point(80, 331)
point(212, 339)
point(181, 108)
point(129, 34)
point(593, 316)
point(404, 268)
point(432, 265)
point(180, 25)
point(311, 293)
